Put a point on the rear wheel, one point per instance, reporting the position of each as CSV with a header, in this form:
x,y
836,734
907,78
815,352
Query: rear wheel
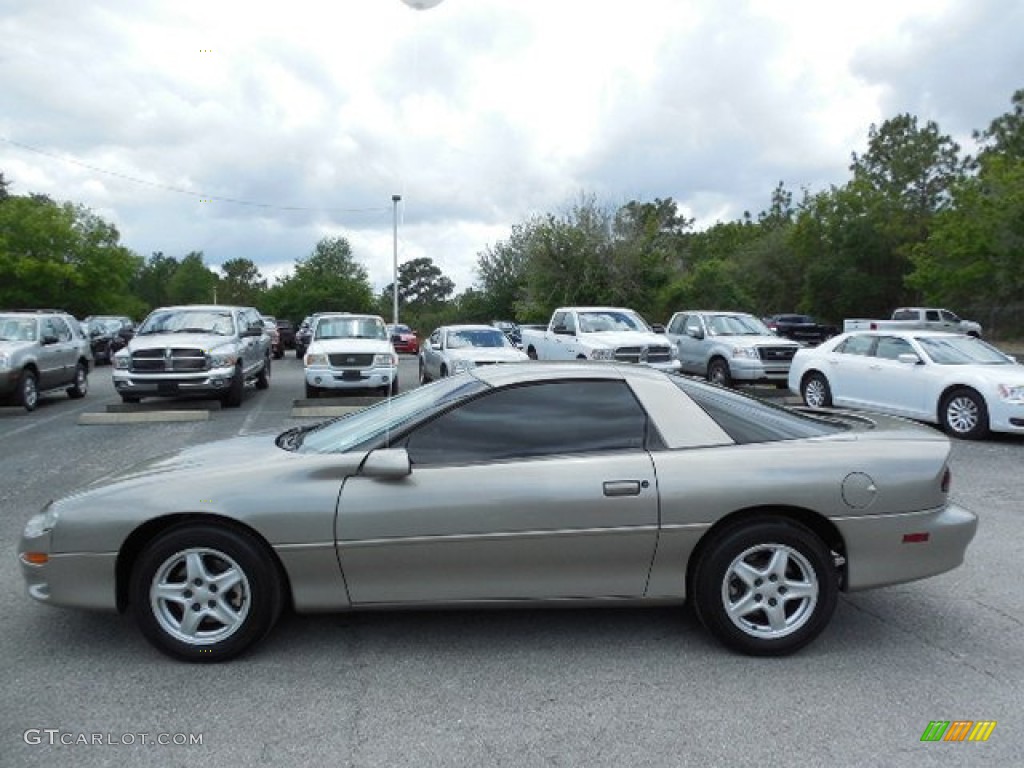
x,y
531,353
767,588
816,391
205,594
28,390
80,387
424,378
312,392
963,414
718,373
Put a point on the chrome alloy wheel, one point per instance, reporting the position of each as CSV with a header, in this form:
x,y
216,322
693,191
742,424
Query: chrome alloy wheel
x,y
200,596
770,591
815,393
962,414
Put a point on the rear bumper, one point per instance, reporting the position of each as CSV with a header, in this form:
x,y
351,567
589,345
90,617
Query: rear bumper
x,y
878,553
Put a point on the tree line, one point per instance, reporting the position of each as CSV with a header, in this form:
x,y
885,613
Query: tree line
x,y
918,221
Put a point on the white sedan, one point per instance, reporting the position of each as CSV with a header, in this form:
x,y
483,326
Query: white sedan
x,y
456,348
963,384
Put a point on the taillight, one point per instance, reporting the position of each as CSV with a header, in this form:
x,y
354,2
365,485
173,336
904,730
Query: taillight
x,y
947,479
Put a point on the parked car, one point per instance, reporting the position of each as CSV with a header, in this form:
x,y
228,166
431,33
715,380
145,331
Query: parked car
x,y
511,485
276,344
287,331
303,335
404,339
802,328
730,347
916,319
42,351
107,334
510,329
961,383
457,348
211,350
349,352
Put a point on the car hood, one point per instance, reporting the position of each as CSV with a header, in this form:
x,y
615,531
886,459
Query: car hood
x,y
177,340
358,346
479,354
614,339
15,346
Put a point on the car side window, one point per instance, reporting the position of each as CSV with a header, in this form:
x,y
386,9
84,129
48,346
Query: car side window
x,y
931,315
891,347
565,319
435,337
676,326
949,317
692,324
548,419
856,345
61,328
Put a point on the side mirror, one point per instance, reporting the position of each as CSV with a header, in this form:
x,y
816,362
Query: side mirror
x,y
909,358
695,333
387,463
561,330
435,345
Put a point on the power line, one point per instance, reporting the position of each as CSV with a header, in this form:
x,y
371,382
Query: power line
x,y
179,190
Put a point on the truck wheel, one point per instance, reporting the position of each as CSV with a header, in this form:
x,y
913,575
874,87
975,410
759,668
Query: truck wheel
x,y
963,414
81,384
718,373
263,380
531,353
233,397
28,390
312,393
444,370
816,391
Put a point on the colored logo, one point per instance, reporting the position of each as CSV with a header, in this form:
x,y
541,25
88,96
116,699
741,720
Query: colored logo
x,y
958,730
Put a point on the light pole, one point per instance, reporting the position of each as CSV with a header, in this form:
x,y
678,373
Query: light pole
x,y
394,315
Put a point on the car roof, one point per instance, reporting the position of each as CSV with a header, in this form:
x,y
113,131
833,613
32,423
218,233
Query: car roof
x,y
469,327
501,375
907,333
203,307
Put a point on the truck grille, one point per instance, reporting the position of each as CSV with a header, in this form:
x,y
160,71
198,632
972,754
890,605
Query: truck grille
x,y
777,354
343,360
643,354
168,359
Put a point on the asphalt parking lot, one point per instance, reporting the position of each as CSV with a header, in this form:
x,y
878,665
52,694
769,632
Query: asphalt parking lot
x,y
609,687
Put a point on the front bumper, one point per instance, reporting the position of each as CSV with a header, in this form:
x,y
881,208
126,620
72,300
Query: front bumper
x,y
877,553
1006,417
9,382
671,366
172,384
348,378
747,369
78,579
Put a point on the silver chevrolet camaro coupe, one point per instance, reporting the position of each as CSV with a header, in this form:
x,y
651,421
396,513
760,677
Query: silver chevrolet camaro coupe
x,y
535,483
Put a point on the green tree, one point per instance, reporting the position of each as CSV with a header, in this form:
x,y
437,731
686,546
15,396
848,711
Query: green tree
x,y
329,279
193,282
153,279
241,283
421,283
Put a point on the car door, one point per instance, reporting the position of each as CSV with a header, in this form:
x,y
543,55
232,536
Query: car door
x,y
893,386
691,348
848,369
538,491
432,354
56,353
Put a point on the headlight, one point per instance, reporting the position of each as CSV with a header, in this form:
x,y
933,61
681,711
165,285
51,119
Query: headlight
x,y
1011,393
750,352
122,361
458,366
602,354
223,358
39,524
316,358
385,359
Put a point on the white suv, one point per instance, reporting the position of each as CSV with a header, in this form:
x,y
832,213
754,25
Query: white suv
x,y
348,352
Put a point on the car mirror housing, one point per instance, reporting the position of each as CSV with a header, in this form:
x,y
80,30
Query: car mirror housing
x,y
909,358
387,463
695,333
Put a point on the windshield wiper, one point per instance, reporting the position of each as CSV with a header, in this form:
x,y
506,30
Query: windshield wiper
x,y
291,439
197,330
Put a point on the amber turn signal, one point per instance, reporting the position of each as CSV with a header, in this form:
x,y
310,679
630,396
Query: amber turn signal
x,y
35,558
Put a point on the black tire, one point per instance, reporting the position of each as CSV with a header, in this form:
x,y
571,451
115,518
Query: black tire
x,y
80,387
233,397
424,378
444,370
176,578
393,389
815,391
793,621
131,399
28,390
531,353
718,372
312,393
963,414
263,379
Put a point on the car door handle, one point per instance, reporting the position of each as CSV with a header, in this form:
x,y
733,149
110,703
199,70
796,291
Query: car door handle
x,y
624,487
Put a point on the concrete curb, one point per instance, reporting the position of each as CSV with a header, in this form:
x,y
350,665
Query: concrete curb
x,y
141,417
324,411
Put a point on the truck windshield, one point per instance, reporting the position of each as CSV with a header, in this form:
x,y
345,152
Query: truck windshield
x,y
350,328
737,325
188,321
611,320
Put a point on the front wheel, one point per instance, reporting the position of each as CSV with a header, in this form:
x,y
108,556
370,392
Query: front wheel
x,y
816,391
205,594
424,378
233,397
963,414
718,373
767,588
80,387
312,393
263,380
531,353
28,390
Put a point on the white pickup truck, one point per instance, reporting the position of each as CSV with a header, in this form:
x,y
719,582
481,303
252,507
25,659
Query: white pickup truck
x,y
916,319
614,334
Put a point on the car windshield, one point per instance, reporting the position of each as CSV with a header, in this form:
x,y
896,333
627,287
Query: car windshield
x,y
749,419
17,328
736,325
213,321
378,422
475,338
397,329
350,328
611,320
961,350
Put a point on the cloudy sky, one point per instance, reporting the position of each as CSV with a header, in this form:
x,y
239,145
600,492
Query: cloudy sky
x,y
254,128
